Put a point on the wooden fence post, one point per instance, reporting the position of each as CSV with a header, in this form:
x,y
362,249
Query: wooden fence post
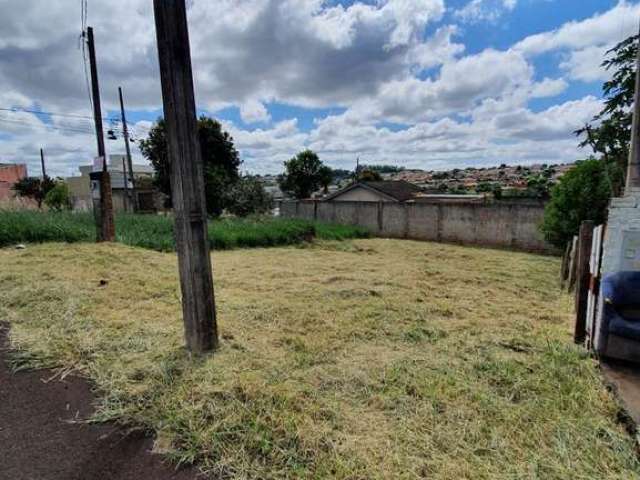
x,y
571,281
583,277
564,268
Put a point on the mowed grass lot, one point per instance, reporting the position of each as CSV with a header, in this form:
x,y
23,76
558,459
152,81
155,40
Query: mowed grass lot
x,y
365,359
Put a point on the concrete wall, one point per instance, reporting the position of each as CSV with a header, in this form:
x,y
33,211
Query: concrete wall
x,y
497,224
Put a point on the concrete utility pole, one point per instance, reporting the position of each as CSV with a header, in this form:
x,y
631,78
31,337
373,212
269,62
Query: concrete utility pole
x,y
44,170
105,226
125,133
187,179
633,167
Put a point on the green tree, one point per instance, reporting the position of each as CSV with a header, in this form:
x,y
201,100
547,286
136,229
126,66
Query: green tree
x,y
610,134
326,177
367,175
484,187
219,156
538,185
303,175
34,188
248,197
581,194
58,197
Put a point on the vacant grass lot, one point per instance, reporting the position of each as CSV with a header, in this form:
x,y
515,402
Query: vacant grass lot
x,y
365,359
156,232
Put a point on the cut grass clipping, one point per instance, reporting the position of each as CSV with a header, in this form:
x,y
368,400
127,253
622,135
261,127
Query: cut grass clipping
x,y
156,232
376,359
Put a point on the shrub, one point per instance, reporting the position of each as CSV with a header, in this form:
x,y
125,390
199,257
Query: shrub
x,y
582,193
58,197
248,197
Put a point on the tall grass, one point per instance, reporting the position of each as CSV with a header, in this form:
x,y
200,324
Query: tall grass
x,y
156,232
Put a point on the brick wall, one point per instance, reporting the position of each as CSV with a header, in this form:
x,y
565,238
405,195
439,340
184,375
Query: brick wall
x,y
10,174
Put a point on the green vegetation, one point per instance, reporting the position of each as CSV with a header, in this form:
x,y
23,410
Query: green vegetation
x,y
609,136
58,197
156,232
304,174
367,359
34,188
582,193
220,160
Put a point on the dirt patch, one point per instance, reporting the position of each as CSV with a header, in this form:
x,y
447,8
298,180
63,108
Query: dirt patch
x,y
41,436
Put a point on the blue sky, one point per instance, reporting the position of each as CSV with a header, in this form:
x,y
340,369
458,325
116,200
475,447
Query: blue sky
x,y
425,84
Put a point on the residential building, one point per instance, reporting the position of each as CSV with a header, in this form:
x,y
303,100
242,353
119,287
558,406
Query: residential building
x,y
80,190
10,173
381,191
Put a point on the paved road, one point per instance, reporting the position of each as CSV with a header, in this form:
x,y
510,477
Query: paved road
x,y
39,442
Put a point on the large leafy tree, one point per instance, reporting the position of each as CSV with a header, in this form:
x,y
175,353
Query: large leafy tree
x,y
609,134
304,174
220,158
584,192
33,188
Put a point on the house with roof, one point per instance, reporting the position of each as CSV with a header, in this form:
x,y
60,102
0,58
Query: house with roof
x,y
398,191
380,191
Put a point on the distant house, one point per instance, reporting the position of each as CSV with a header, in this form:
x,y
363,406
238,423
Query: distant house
x,y
398,191
10,173
382,191
79,186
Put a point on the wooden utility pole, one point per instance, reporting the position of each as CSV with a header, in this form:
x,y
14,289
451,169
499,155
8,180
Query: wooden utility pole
x,y
125,133
126,187
105,226
187,178
44,170
583,278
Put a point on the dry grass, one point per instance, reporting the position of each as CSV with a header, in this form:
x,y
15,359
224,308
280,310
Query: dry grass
x,y
365,359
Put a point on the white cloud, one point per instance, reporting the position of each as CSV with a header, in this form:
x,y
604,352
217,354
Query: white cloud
x,y
601,29
586,64
484,10
382,61
253,111
548,87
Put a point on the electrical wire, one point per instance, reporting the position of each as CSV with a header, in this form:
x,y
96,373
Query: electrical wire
x,y
83,42
114,122
41,112
78,129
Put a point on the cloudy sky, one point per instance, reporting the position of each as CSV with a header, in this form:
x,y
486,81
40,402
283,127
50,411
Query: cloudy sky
x,y
429,84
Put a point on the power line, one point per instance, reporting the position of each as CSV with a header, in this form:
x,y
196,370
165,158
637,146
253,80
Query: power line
x,y
40,112
44,125
116,131
111,119
84,7
78,129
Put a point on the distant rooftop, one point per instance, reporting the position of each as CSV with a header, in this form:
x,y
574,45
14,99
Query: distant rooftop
x,y
399,190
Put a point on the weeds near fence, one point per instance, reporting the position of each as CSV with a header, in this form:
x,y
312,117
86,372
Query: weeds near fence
x,y
156,232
